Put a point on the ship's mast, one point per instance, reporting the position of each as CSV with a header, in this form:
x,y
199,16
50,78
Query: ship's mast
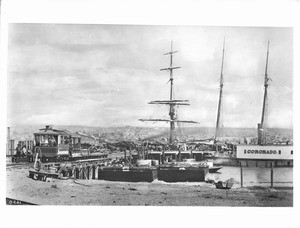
x,y
172,105
261,125
217,133
171,102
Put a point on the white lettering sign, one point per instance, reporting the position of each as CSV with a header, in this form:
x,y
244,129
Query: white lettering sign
x,y
271,152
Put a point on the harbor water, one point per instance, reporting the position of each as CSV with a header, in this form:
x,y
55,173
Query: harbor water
x,y
255,176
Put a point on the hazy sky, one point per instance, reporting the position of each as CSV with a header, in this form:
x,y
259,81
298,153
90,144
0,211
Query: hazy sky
x,y
104,75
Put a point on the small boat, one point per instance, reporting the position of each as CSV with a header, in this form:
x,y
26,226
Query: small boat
x,y
214,169
42,175
224,184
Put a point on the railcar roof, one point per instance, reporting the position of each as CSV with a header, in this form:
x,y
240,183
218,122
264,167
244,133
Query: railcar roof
x,y
51,131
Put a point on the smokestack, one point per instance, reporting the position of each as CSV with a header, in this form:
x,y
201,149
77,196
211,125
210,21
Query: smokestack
x,y
8,141
8,134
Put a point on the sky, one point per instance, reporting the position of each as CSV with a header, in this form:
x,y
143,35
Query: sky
x,y
104,75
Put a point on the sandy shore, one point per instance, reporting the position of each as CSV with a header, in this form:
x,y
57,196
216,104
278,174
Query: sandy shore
x,y
97,192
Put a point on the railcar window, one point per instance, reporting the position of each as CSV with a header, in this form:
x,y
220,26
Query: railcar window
x,y
66,140
44,140
52,141
37,140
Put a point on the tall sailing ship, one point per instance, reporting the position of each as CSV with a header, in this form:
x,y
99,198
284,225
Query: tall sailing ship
x,y
172,103
280,155
175,170
219,123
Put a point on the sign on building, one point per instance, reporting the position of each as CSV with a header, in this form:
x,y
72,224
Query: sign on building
x,y
267,152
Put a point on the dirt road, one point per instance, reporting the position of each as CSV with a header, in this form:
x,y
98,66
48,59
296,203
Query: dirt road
x,y
98,192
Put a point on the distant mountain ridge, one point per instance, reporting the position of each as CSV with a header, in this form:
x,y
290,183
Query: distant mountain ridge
x,y
25,132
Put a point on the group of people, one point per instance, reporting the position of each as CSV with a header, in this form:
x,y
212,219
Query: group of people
x,y
45,141
21,151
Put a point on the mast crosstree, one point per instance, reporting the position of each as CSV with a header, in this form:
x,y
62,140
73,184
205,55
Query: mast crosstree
x,y
171,102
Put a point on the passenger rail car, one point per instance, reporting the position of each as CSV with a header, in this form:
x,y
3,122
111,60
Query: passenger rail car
x,y
52,144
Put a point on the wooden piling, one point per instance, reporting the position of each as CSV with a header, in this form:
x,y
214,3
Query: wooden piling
x,y
241,174
179,155
70,172
93,172
98,173
84,172
163,155
271,174
147,150
81,172
88,172
77,173
73,172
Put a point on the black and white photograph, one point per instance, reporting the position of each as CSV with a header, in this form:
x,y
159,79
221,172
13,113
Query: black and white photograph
x,y
159,115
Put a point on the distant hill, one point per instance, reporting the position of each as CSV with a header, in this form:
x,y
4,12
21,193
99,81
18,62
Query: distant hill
x,y
25,132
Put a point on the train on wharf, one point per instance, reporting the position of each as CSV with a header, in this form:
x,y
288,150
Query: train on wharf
x,y
54,145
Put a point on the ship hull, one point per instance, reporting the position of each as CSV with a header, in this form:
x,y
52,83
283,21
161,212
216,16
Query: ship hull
x,y
214,169
134,174
182,174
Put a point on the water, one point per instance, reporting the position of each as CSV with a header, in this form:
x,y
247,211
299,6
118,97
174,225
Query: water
x,y
255,175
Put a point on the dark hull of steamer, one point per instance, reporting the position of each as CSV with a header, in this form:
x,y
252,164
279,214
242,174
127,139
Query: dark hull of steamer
x,y
128,174
182,174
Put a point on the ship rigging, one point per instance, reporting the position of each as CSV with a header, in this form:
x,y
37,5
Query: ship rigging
x,y
173,103
263,124
219,123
